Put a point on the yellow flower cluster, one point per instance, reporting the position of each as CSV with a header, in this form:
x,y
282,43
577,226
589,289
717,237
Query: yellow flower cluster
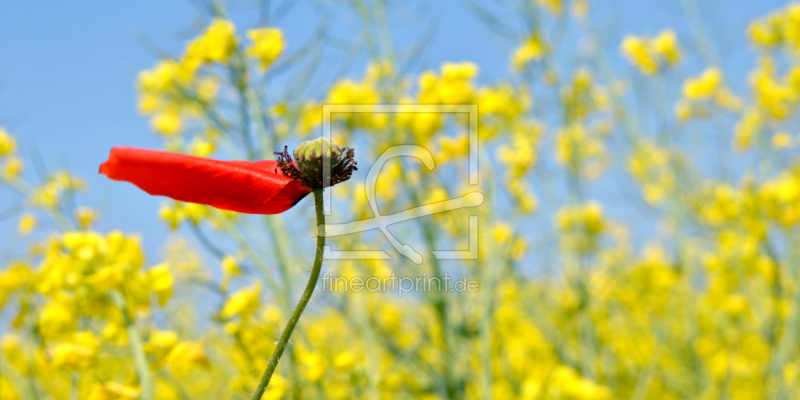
x,y
775,82
651,55
775,100
774,96
782,140
175,213
650,165
454,84
50,194
26,224
12,165
702,302
88,263
114,391
521,153
532,49
82,302
780,197
519,157
702,91
8,145
777,29
581,150
161,90
748,127
582,226
582,97
176,93
349,92
501,107
267,45
242,303
216,44
554,7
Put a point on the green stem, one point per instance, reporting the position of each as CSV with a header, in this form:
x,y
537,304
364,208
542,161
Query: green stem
x,y
139,357
276,228
137,347
301,305
74,386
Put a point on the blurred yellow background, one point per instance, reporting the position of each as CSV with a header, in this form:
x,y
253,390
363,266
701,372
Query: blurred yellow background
x,y
637,241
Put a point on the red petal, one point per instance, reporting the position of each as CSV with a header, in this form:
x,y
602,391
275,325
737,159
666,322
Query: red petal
x,y
241,186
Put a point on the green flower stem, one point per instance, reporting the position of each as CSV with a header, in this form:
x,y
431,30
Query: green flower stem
x,y
140,358
301,305
74,386
137,347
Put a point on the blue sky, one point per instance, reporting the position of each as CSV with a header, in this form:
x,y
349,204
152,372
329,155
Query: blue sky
x,y
67,71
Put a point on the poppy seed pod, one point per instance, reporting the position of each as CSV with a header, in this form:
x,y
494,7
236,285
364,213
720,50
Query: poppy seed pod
x,y
309,156
309,164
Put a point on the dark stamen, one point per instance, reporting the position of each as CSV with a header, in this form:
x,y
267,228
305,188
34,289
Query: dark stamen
x,y
340,171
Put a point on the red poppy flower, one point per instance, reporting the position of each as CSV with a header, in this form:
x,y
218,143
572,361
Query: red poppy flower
x,y
241,186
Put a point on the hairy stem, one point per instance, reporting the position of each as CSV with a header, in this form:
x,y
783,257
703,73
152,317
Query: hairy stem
x,y
301,305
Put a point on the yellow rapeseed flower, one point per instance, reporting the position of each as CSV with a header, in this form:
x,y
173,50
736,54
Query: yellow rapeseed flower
x,y
666,46
230,266
782,140
76,354
167,123
242,303
746,129
649,55
186,356
161,281
201,147
26,224
267,45
532,49
7,143
637,52
86,217
554,7
704,85
114,391
173,214
216,44
12,168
